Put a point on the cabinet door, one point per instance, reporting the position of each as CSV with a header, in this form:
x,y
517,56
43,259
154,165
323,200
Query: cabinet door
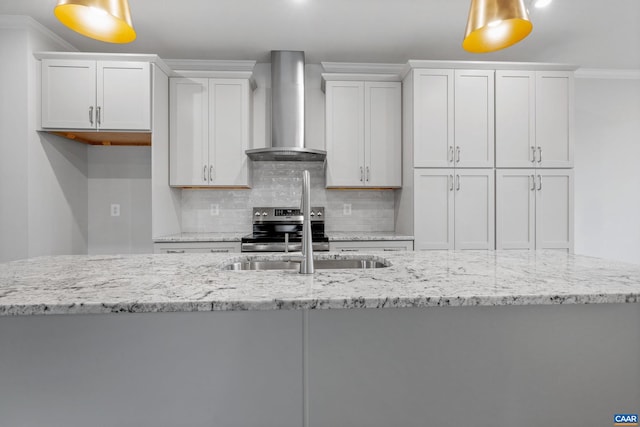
x,y
124,95
474,209
345,134
515,208
515,118
433,118
229,126
383,134
433,208
474,118
68,94
554,209
554,118
188,141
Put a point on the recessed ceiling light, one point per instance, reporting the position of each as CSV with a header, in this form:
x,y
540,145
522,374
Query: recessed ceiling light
x,y
539,4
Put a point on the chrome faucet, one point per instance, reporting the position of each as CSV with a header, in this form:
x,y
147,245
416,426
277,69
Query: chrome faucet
x,y
306,266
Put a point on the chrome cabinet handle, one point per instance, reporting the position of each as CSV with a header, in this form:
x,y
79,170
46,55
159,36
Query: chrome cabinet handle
x,y
349,250
204,173
450,182
533,183
175,251
539,154
98,115
361,174
210,173
451,154
458,154
91,115
457,182
367,173
539,182
393,249
219,251
532,158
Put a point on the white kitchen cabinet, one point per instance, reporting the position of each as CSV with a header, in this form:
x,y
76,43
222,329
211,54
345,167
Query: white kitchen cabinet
x,y
196,247
371,245
454,208
210,130
363,134
554,118
474,118
96,95
433,118
534,119
453,118
534,209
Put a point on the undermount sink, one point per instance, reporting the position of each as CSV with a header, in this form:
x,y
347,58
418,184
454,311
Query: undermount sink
x,y
319,264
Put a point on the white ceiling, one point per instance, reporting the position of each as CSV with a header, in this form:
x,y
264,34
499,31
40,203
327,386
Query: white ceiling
x,y
586,33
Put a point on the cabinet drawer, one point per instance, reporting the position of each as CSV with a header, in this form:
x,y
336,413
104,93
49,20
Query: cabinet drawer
x,y
196,247
371,245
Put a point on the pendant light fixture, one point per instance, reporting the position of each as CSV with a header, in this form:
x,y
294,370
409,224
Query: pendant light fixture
x,y
104,20
495,24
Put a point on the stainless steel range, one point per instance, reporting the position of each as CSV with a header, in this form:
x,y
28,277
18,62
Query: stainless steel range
x,y
280,230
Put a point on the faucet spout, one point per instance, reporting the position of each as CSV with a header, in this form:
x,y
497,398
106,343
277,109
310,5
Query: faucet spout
x,y
306,266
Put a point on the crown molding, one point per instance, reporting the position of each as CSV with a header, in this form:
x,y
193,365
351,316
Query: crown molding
x,y
362,68
485,65
98,56
607,73
27,22
214,65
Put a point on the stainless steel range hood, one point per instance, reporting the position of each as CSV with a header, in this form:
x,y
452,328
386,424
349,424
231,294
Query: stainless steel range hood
x,y
287,112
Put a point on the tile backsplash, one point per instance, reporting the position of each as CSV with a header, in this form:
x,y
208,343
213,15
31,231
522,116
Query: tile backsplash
x,y
279,184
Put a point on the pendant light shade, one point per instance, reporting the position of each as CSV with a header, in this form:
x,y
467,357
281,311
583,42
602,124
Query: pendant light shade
x,y
495,24
104,20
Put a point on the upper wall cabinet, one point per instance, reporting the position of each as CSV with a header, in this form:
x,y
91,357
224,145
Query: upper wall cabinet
x,y
96,95
534,119
363,134
453,118
210,129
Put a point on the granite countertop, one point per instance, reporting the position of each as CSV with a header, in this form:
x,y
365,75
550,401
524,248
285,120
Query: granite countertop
x,y
350,236
195,282
200,237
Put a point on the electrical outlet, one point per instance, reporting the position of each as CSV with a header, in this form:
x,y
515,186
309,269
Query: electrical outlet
x,y
346,209
115,209
213,209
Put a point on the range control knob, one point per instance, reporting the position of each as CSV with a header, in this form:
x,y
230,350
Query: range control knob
x,y
312,214
264,213
319,213
257,214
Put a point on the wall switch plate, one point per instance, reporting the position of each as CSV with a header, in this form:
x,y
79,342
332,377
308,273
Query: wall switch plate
x,y
213,209
346,209
115,209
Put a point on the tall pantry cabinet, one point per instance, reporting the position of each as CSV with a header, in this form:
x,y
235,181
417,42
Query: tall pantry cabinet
x,y
450,114
534,159
487,154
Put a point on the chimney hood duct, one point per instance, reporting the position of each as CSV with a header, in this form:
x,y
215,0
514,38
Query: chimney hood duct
x,y
287,112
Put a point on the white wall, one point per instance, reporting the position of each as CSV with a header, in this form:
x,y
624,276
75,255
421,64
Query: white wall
x,y
119,175
607,168
43,190
13,147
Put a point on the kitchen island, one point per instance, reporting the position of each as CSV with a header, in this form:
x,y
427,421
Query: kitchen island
x,y
437,338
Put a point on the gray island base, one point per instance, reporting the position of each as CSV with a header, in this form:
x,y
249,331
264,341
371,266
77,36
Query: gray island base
x,y
533,350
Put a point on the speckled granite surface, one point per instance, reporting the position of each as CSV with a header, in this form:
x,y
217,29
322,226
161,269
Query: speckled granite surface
x,y
195,282
200,237
349,236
